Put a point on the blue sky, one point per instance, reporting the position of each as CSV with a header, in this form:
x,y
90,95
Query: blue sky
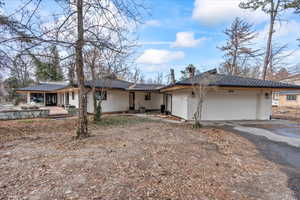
x,y
182,32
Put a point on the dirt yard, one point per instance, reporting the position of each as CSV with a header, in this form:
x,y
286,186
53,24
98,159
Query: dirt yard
x,y
131,158
289,113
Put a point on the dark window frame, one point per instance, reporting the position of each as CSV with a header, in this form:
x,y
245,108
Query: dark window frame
x,y
291,97
148,96
99,94
73,95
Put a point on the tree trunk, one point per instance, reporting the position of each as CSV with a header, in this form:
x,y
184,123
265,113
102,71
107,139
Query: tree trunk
x,y
96,118
198,113
234,65
269,43
82,129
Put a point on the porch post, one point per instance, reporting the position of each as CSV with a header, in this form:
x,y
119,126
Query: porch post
x,y
44,98
28,97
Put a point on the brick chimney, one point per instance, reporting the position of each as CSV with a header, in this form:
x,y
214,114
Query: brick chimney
x,y
172,74
191,71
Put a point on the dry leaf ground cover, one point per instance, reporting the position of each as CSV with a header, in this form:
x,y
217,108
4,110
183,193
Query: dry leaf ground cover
x,y
132,158
289,113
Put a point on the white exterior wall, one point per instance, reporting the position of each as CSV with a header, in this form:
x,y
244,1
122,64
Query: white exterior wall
x,y
28,97
58,99
74,102
180,104
222,105
153,104
117,101
265,106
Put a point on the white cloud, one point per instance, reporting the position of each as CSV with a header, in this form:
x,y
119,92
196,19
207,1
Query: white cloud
x,y
187,39
293,57
285,32
152,23
216,11
155,43
157,56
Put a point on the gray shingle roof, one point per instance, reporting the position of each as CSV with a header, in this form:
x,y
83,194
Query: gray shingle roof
x,y
109,83
145,87
290,92
234,81
104,83
44,87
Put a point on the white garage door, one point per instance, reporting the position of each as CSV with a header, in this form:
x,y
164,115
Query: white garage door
x,y
230,107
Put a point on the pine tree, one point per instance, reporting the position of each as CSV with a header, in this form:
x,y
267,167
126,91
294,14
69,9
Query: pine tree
x,y
273,8
50,69
55,68
237,50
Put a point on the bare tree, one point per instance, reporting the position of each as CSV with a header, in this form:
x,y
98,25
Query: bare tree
x,y
200,86
159,78
96,24
142,79
238,51
171,77
135,75
278,61
273,8
104,66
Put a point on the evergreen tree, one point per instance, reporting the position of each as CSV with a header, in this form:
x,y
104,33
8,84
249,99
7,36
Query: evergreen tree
x,y
186,73
237,50
50,69
55,68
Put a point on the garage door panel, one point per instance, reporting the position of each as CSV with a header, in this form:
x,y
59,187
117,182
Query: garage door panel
x,y
229,107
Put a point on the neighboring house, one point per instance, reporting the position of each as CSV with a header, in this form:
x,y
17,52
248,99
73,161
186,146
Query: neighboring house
x,y
289,98
275,99
228,97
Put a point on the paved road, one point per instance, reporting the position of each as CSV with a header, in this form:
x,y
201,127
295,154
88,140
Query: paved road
x,y
278,141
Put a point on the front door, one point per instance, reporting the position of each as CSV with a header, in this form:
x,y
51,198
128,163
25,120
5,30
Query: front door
x,y
51,99
131,101
168,103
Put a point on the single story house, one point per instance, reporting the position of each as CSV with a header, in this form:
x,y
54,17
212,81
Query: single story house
x,y
119,95
226,97
289,98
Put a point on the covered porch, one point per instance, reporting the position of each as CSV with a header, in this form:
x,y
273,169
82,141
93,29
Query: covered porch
x,y
57,98
42,98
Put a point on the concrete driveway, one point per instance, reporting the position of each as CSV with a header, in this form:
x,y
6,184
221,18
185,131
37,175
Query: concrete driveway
x,y
278,141
276,130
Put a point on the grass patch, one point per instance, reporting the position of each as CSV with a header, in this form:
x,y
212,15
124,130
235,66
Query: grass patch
x,y
27,121
121,120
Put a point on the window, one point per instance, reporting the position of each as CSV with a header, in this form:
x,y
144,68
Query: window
x,y
148,96
101,95
73,95
275,96
291,97
37,97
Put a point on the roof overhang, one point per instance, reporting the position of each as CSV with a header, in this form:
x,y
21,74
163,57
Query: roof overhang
x,y
183,87
35,91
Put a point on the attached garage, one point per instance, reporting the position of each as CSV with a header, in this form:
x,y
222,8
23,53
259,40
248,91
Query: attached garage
x,y
233,105
226,97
